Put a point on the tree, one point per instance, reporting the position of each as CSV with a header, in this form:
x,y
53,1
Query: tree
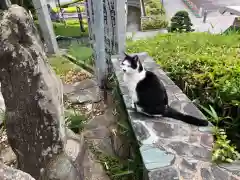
x,y
181,22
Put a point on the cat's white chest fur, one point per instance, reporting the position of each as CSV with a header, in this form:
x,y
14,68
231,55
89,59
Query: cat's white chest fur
x,y
131,81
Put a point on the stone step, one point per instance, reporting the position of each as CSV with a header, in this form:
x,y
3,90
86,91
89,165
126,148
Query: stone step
x,y
82,92
172,149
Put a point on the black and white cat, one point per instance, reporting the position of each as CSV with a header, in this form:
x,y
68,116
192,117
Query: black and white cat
x,y
148,93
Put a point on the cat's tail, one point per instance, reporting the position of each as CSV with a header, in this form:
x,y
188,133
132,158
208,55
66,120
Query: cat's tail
x,y
172,113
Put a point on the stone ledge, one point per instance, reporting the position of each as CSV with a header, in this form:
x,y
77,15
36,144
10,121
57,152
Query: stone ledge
x,y
171,149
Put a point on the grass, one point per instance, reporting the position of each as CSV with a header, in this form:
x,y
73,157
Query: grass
x,y
206,67
71,29
72,9
62,65
82,53
75,120
155,15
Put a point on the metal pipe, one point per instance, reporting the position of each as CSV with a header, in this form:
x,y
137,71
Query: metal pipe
x,y
205,16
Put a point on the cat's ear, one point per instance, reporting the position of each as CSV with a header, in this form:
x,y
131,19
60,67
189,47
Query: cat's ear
x,y
135,58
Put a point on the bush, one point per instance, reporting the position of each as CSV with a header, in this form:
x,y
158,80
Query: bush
x,y
72,9
155,16
153,23
181,22
206,67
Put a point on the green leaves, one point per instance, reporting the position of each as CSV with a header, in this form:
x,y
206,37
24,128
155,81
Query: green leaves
x,y
223,150
155,16
181,22
75,120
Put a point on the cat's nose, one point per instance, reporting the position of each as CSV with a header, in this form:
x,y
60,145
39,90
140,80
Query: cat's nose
x,y
124,70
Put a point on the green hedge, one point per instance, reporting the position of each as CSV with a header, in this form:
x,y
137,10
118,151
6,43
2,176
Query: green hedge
x,y
205,66
72,9
155,15
64,5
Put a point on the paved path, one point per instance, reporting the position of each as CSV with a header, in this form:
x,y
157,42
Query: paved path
x,y
216,23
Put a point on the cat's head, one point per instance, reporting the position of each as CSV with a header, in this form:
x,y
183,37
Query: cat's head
x,y
131,64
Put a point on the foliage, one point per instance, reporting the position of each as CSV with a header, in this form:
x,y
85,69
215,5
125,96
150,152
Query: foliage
x,y
154,23
206,67
132,167
61,65
82,53
223,150
154,7
181,22
75,120
155,15
75,22
64,5
72,9
72,30
232,30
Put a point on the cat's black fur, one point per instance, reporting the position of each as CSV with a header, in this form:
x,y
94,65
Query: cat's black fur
x,y
153,99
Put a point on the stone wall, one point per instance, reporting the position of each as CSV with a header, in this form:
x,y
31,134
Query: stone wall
x,y
172,149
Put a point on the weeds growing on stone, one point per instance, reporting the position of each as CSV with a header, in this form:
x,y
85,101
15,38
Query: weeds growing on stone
x,y
81,53
75,120
132,167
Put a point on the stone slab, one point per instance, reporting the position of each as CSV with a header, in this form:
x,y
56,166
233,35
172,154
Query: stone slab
x,y
172,149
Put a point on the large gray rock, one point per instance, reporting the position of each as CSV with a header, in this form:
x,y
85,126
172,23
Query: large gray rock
x,y
32,94
9,173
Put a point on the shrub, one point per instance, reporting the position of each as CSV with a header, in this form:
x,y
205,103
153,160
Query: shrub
x,y
155,16
154,7
153,23
181,22
206,67
72,9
